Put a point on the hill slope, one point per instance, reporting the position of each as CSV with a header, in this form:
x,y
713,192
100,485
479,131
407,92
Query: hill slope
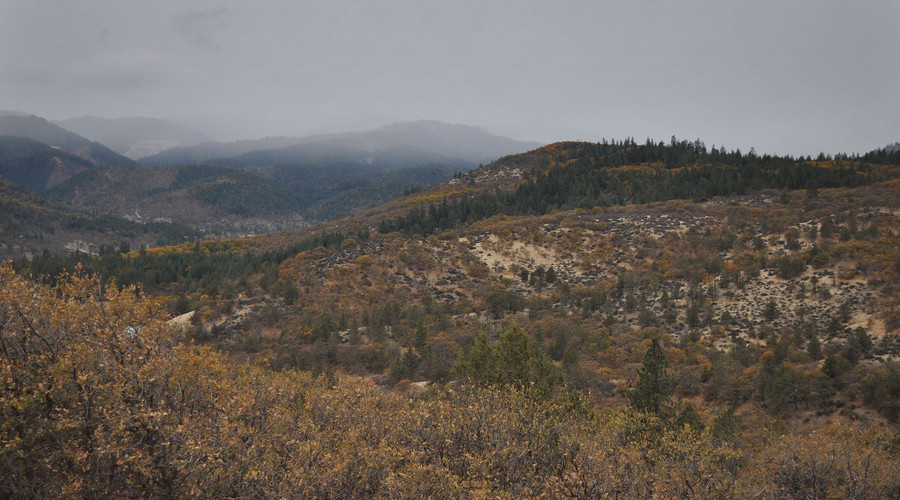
x,y
105,399
584,175
40,130
207,197
32,224
37,166
627,331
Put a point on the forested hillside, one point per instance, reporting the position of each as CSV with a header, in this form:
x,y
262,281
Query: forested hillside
x,y
582,321
32,225
37,166
40,130
566,176
231,201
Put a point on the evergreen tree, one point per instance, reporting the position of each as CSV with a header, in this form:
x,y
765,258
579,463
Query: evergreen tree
x,y
182,305
653,391
515,359
689,416
421,336
727,425
770,313
480,364
814,348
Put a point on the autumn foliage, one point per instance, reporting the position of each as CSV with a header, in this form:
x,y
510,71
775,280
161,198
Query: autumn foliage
x,y
101,399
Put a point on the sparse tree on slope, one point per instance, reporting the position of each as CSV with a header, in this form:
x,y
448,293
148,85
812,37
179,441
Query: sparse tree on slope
x,y
653,391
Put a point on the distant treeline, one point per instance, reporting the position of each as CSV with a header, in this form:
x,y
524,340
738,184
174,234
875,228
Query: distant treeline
x,y
585,175
25,212
199,267
889,155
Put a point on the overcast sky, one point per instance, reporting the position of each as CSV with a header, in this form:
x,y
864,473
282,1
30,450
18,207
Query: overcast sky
x,y
784,76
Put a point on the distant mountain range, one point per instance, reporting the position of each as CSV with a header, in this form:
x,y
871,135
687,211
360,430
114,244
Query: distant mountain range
x,y
134,137
240,187
398,145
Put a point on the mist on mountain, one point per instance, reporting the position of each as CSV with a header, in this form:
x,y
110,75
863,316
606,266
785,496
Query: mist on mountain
x,y
134,137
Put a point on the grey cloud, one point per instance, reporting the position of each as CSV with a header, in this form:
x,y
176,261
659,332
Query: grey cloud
x,y
786,77
195,26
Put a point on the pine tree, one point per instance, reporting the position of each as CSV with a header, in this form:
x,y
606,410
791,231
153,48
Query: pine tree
x,y
182,305
653,391
421,336
814,348
480,364
515,359
770,313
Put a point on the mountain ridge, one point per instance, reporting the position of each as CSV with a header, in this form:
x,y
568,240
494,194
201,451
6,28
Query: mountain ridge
x,y
327,176
450,141
41,130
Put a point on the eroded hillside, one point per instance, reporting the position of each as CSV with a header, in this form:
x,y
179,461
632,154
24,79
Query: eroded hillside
x,y
812,277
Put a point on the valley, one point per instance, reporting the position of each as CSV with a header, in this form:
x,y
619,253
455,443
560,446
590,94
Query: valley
x,y
231,189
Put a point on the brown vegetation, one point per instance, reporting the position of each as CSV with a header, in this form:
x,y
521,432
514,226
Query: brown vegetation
x,y
101,401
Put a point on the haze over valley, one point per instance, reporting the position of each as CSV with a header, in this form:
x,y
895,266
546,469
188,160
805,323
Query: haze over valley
x,y
235,188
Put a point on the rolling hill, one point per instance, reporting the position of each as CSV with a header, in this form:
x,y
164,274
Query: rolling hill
x,y
212,198
32,224
37,166
40,130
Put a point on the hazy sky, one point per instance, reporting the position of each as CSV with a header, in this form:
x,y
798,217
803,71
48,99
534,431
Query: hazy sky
x,y
784,76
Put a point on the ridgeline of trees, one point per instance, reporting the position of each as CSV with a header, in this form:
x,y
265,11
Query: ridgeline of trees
x,y
585,175
889,155
200,266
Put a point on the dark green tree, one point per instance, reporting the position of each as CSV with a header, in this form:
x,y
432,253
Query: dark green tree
x,y
405,366
726,427
689,416
182,305
653,391
515,359
814,348
480,364
420,338
291,294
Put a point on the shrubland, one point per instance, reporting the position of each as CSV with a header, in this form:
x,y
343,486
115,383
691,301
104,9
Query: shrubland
x,y
103,399
743,344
